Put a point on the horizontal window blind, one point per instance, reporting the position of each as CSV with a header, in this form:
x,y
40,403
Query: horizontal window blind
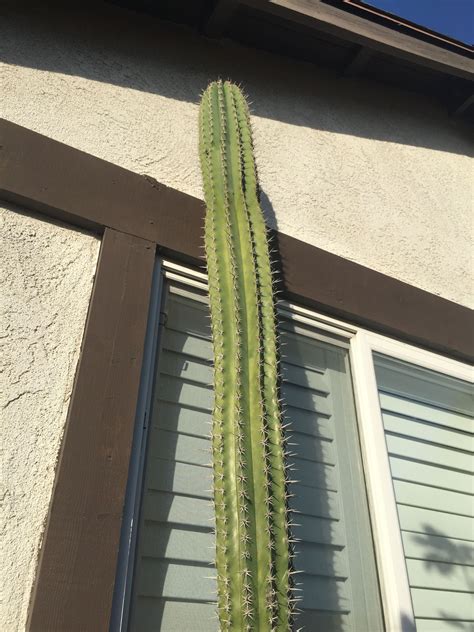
x,y
429,425
174,586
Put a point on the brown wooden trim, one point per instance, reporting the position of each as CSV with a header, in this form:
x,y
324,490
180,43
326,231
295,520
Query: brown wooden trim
x,y
78,188
359,30
55,179
76,575
366,297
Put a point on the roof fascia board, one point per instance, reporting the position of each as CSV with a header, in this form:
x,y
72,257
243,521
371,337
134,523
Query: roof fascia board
x,y
337,22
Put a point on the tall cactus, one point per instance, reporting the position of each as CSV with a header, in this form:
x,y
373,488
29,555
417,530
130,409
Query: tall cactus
x,y
252,533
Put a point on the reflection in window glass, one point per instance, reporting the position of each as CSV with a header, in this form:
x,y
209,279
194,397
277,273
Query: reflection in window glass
x,y
429,425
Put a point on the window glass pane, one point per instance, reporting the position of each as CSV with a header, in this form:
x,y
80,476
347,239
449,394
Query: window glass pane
x,y
174,586
429,424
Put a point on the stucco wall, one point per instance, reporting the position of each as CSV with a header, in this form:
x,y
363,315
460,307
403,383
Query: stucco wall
x,y
375,175
46,279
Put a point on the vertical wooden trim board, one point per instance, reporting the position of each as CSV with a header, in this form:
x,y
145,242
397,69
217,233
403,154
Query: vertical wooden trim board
x,y
76,573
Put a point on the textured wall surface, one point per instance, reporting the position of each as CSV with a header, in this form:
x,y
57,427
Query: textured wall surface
x,y
375,175
46,279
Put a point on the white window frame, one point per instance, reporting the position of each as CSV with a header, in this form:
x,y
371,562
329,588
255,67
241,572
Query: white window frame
x,y
396,597
390,559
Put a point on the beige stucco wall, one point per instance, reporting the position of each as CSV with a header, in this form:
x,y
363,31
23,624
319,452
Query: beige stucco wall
x,y
46,279
375,175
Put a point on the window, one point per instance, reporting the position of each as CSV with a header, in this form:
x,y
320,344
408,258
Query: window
x,y
169,558
427,420
417,423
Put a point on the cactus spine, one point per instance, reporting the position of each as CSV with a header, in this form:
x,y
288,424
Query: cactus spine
x,y
250,498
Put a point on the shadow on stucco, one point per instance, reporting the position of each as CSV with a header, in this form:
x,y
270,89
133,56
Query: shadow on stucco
x,y
111,45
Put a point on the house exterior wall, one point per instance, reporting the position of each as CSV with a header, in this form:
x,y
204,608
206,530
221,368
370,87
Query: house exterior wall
x,y
372,174
47,275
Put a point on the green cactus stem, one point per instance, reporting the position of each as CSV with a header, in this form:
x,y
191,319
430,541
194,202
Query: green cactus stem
x,y
253,552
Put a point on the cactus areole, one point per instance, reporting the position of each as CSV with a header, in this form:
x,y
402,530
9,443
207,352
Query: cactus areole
x,y
252,532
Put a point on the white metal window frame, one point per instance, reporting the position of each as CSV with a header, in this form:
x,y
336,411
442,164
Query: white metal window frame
x,y
390,559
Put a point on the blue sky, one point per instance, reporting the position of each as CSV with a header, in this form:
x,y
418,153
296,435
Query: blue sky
x,y
450,17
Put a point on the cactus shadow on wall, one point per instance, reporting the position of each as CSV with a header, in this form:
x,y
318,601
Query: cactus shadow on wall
x,y
311,562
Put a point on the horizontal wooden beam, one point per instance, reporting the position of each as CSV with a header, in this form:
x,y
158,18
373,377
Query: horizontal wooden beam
x,y
75,187
44,175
